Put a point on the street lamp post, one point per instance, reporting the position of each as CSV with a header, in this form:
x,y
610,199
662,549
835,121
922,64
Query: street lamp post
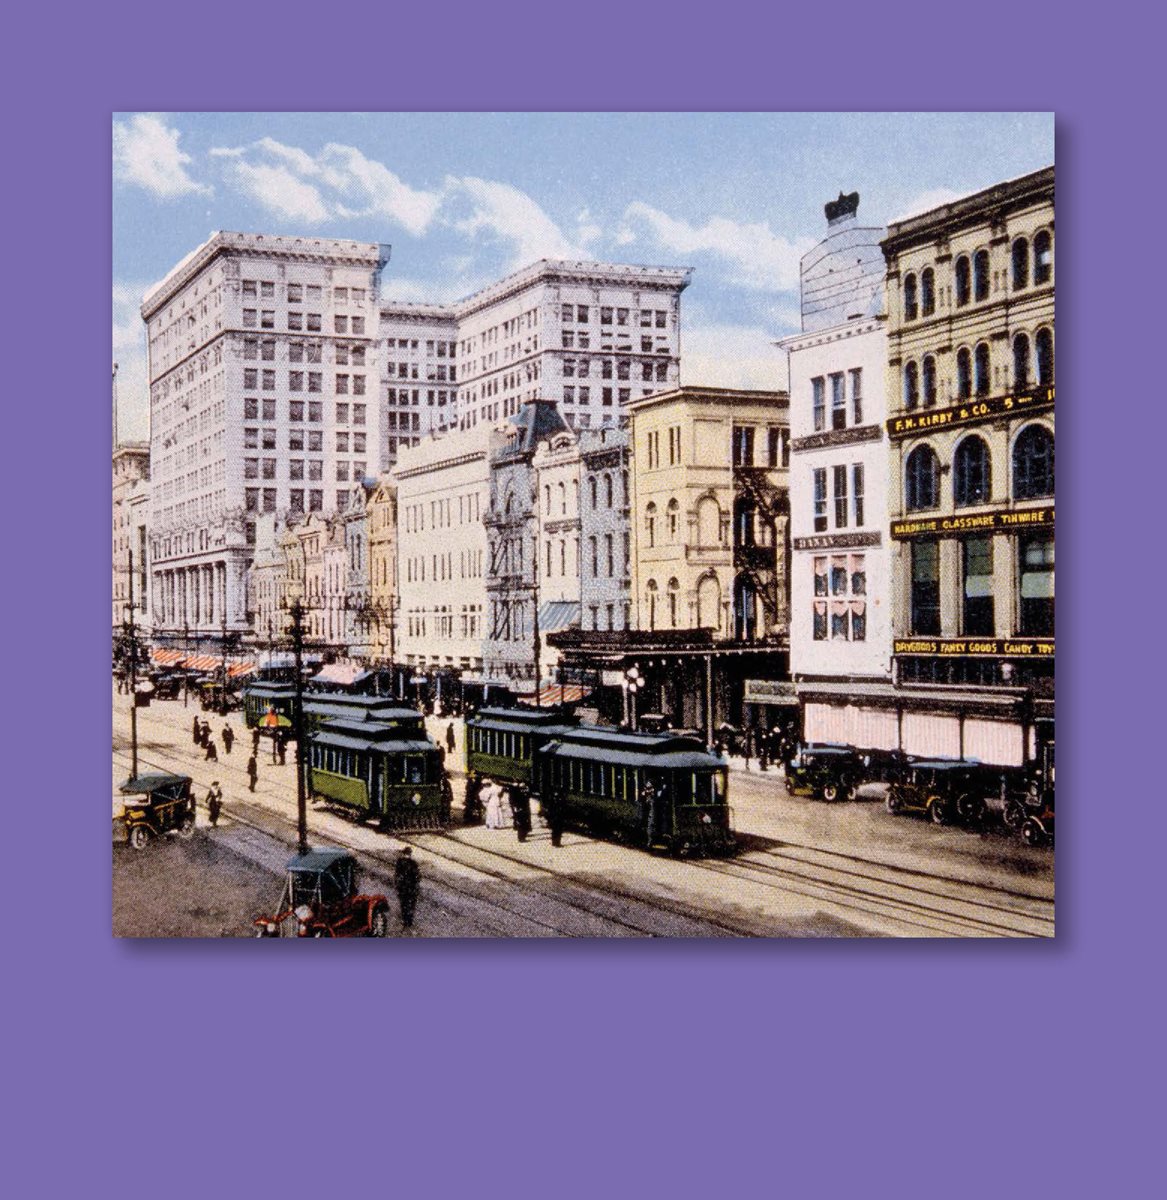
x,y
133,678
297,614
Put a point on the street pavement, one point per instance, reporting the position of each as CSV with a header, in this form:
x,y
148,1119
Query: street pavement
x,y
807,868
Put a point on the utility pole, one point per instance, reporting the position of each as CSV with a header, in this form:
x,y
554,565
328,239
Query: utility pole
x,y
185,672
297,613
133,679
535,607
223,661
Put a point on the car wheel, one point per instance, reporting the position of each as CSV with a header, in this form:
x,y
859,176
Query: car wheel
x,y
1032,833
895,802
379,925
970,809
789,786
187,828
830,792
938,807
139,836
1014,815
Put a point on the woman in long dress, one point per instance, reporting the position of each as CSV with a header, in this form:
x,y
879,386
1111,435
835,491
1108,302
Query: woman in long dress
x,y
491,797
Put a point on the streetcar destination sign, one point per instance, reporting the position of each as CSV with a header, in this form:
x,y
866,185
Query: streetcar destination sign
x,y
969,412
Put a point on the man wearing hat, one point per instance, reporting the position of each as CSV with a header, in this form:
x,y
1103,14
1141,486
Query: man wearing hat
x,y
214,803
406,881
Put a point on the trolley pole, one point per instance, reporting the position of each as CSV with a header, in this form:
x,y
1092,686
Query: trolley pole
x,y
298,719
535,608
133,638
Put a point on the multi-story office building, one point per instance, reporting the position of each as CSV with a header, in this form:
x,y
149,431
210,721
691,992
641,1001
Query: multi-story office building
x,y
605,577
131,500
264,391
840,621
590,336
442,494
381,514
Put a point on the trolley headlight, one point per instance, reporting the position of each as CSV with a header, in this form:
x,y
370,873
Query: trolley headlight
x,y
303,914
270,927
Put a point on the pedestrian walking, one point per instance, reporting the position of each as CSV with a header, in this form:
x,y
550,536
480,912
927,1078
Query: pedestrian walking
x,y
649,805
407,883
214,803
196,732
521,807
212,754
491,797
252,772
451,740
255,740
554,810
275,748
282,744
205,734
763,750
228,738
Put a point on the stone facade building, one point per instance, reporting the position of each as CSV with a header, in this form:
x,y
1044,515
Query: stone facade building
x,y
263,381
131,500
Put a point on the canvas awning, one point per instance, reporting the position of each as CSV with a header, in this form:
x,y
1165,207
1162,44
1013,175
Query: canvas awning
x,y
345,674
558,614
567,693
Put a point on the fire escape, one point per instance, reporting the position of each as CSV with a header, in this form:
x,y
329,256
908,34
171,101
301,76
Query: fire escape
x,y
761,514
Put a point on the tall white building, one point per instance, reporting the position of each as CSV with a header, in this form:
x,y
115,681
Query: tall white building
x,y
841,599
264,389
589,336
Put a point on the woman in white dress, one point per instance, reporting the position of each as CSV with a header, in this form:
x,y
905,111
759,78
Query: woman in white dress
x,y
491,797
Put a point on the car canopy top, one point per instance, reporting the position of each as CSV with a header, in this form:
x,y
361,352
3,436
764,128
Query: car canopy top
x,y
157,787
325,875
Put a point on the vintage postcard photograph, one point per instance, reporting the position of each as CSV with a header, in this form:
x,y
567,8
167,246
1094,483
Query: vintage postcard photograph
x,y
583,524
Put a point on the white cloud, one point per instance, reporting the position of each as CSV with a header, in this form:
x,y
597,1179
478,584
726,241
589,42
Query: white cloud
x,y
146,153
735,356
339,183
505,212
756,256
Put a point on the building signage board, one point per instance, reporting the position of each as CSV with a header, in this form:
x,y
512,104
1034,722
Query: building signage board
x,y
770,691
837,541
970,412
998,647
1002,521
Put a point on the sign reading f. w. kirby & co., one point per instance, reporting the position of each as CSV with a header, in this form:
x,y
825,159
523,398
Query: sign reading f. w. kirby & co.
x,y
969,412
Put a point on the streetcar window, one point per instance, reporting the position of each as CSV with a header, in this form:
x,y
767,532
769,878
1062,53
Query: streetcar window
x,y
414,768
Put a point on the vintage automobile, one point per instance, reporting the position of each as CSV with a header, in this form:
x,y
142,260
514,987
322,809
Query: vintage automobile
x,y
945,790
825,772
320,900
153,805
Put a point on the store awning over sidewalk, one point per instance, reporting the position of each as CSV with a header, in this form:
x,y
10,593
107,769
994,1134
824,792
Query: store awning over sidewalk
x,y
345,674
567,693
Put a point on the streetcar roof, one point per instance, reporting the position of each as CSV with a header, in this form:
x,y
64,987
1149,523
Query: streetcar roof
x,y
825,750
370,727
329,737
944,764
602,736
685,760
519,717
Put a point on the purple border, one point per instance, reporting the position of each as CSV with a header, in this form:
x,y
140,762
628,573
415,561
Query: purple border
x,y
729,1069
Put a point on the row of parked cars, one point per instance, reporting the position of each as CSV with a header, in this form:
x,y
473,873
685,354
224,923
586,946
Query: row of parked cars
x,y
946,791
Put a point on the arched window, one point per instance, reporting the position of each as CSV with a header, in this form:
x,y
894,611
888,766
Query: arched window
x,y
1044,343
963,281
922,479
650,523
674,589
927,292
708,522
1043,257
563,499
972,482
592,489
673,512
1033,463
1020,362
981,275
911,386
593,548
547,499
608,490
745,609
1020,264
650,601
981,374
910,309
963,374
929,374
709,602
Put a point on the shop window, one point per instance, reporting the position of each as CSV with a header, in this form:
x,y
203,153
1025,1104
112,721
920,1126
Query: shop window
x,y
1036,560
977,570
926,588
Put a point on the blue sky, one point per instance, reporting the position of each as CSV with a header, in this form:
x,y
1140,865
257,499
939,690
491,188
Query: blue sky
x,y
464,198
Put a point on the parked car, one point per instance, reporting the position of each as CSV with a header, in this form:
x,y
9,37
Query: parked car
x,y
825,772
945,790
154,805
320,900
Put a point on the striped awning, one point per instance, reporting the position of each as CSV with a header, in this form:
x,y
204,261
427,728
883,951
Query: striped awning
x,y
239,669
567,693
202,662
340,673
167,658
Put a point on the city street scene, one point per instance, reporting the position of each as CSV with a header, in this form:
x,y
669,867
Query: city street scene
x,y
590,525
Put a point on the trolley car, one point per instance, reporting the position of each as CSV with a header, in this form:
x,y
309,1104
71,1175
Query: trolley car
x,y
268,698
659,791
389,773
500,745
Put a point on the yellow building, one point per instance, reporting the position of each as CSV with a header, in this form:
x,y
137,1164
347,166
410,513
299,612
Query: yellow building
x,y
710,511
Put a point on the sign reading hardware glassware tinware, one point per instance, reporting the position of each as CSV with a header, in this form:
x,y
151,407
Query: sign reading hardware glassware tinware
x,y
970,412
1001,521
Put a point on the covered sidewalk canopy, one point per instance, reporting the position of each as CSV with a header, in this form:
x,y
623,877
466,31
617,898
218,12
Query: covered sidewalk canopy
x,y
566,693
344,674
